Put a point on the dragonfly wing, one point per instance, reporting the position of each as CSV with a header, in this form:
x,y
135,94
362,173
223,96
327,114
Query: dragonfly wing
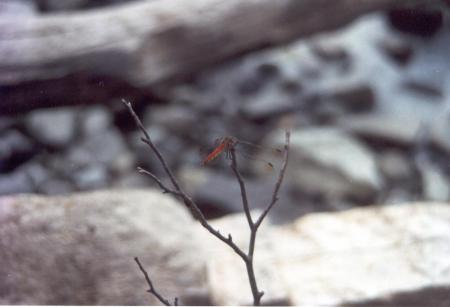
x,y
272,150
267,164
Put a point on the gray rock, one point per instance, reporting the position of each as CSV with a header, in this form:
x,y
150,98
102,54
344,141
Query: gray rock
x,y
167,143
290,86
268,70
397,49
185,95
435,184
89,163
17,7
15,183
408,106
440,131
105,147
268,103
52,127
423,89
90,178
123,163
398,196
14,146
58,6
132,180
340,259
328,162
74,159
394,166
354,97
218,193
27,178
250,85
66,166
36,173
176,118
95,120
430,66
379,127
327,113
329,52
55,186
79,249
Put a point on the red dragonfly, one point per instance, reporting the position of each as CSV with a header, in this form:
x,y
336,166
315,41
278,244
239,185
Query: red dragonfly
x,y
224,144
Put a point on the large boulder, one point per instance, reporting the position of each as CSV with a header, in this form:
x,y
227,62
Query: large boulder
x,y
79,249
374,256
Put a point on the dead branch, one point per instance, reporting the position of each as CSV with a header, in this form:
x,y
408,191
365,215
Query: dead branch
x,y
178,191
257,295
278,183
151,288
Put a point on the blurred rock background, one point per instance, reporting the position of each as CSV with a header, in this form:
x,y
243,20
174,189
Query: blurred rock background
x,y
368,102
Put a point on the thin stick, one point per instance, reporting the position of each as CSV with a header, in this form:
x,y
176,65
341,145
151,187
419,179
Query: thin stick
x,y
257,295
158,181
177,188
152,289
148,141
279,181
242,187
249,259
177,191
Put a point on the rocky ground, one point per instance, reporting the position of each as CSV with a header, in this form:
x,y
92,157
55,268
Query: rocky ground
x,y
369,108
79,249
368,104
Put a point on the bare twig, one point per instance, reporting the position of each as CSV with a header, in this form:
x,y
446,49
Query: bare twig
x,y
151,288
158,181
148,141
257,295
178,191
279,181
242,186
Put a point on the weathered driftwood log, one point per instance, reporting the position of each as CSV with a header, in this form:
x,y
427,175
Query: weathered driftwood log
x,y
147,42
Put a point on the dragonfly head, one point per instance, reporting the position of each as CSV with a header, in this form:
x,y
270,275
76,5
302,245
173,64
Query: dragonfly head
x,y
230,141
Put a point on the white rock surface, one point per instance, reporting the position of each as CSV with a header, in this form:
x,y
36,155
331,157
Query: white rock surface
x,y
227,275
79,249
375,253
364,254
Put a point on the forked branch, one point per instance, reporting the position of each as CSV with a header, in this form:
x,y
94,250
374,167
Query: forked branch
x,y
228,240
257,295
151,288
